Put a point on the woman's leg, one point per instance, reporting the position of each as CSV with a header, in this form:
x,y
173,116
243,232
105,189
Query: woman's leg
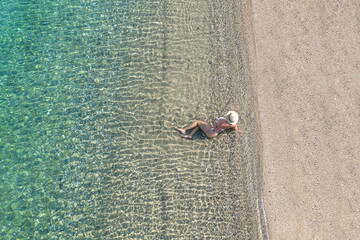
x,y
192,133
192,125
208,130
196,125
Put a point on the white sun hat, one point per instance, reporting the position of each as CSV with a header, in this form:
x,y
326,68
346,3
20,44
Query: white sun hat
x,y
232,117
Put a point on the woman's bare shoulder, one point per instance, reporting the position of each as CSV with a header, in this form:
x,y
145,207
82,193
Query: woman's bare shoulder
x,y
222,121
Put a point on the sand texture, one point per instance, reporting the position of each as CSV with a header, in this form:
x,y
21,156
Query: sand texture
x,y
308,86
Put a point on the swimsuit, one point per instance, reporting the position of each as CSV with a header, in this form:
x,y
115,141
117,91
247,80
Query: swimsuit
x,y
212,129
222,130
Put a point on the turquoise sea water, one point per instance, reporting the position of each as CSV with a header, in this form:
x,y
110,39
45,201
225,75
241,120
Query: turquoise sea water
x,y
90,93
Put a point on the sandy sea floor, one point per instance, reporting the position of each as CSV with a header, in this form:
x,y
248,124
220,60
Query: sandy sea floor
x,y
90,94
307,80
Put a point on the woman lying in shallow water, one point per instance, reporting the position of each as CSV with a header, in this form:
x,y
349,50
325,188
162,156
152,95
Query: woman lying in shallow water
x,y
222,124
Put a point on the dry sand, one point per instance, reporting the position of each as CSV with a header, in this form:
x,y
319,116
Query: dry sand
x,y
308,85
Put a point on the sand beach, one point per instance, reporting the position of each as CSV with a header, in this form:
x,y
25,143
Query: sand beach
x,y
307,70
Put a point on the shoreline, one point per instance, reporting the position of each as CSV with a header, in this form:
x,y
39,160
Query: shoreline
x,y
248,46
305,70
233,67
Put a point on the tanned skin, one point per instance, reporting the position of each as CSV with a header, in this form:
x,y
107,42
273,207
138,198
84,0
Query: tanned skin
x,y
210,132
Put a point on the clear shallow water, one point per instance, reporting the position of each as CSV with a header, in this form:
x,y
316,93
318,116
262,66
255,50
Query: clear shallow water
x,y
90,93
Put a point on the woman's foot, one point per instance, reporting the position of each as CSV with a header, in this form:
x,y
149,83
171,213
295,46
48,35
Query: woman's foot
x,y
187,137
182,131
